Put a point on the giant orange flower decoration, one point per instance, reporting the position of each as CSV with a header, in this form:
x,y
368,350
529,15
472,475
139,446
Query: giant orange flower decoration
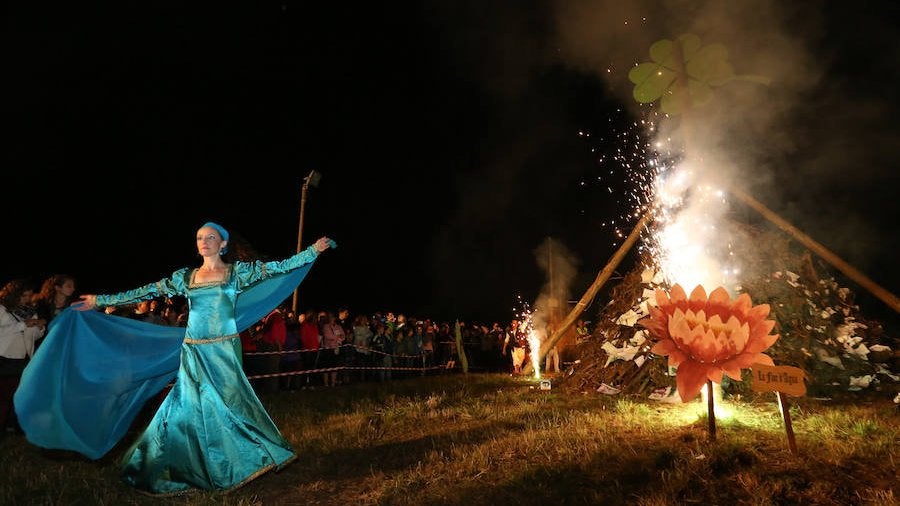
x,y
706,337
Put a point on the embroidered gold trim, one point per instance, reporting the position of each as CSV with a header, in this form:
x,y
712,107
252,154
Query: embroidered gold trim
x,y
190,491
262,471
188,340
225,278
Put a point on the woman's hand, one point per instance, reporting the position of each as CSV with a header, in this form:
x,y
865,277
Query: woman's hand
x,y
86,303
324,243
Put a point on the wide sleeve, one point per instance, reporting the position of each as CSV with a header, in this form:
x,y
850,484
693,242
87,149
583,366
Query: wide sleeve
x,y
165,287
250,273
91,377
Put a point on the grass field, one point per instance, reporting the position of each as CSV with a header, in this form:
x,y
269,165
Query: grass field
x,y
496,440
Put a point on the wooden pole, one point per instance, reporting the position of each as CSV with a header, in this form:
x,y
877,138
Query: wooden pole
x,y
887,297
785,409
602,277
303,193
711,410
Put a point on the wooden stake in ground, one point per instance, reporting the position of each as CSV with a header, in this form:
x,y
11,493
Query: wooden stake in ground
x,y
460,351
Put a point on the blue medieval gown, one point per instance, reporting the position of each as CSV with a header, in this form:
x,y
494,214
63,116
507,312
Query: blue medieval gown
x,y
94,372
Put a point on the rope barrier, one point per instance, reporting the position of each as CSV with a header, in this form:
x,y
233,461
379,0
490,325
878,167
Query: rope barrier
x,y
344,368
319,350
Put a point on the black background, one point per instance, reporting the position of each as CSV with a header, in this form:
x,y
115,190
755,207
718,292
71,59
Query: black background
x,y
446,135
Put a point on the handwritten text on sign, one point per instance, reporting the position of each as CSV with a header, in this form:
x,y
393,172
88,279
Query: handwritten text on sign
x,y
779,378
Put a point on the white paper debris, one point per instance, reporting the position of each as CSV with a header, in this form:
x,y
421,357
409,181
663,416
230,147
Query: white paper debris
x,y
644,308
824,357
667,394
827,312
623,353
792,279
629,318
639,337
607,389
860,382
884,370
862,351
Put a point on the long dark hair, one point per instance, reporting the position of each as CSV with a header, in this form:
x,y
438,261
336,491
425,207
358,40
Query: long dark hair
x,y
240,249
48,289
11,293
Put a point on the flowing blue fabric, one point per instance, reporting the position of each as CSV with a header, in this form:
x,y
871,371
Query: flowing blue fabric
x,y
91,376
94,373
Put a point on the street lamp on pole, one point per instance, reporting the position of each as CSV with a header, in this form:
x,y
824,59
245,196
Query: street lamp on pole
x,y
311,180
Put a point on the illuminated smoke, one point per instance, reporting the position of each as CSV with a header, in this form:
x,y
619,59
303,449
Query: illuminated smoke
x,y
683,165
560,268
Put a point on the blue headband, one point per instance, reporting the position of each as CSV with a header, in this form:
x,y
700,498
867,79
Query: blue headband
x,y
219,228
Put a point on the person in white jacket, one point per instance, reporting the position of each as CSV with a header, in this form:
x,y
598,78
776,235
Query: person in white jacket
x,y
20,327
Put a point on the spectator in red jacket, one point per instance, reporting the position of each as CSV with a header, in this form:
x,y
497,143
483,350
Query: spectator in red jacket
x,y
273,331
309,342
272,336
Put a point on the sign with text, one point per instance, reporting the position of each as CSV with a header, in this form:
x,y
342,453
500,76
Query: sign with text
x,y
778,378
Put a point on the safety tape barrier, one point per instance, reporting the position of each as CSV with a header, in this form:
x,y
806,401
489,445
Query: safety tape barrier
x,y
345,368
319,350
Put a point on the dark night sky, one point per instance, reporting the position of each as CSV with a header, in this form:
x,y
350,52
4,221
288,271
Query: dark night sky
x,y
446,134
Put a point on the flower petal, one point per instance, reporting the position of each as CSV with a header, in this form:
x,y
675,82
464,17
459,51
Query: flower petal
x,y
714,374
689,379
759,312
760,344
698,294
742,360
655,326
740,336
719,296
704,345
732,372
661,298
663,347
676,294
676,357
762,358
742,304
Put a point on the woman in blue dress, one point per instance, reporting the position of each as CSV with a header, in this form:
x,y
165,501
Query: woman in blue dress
x,y
211,431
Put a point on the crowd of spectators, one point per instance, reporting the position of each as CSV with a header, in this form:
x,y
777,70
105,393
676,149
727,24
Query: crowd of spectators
x,y
329,348
326,348
311,348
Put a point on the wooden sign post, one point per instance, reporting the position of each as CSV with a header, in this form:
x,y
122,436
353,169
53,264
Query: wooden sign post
x,y
785,409
781,380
